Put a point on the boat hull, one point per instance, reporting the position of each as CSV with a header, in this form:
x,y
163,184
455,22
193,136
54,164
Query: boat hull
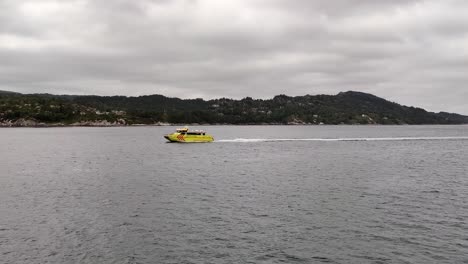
x,y
180,138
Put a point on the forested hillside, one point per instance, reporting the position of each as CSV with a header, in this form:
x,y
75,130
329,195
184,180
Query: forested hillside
x,y
344,108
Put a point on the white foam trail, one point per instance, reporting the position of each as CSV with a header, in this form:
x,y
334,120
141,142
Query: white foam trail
x,y
249,140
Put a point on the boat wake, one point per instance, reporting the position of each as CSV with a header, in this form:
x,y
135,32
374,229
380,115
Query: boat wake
x,y
250,140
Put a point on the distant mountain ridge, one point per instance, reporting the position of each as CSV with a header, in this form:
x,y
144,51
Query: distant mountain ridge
x,y
344,108
7,92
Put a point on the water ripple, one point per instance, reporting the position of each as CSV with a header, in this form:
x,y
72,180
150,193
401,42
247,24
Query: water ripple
x,y
118,195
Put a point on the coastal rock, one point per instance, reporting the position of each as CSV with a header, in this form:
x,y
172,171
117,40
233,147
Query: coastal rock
x,y
21,123
100,123
295,121
162,124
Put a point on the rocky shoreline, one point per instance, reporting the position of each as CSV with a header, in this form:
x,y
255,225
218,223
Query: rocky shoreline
x,y
119,123
122,123
33,123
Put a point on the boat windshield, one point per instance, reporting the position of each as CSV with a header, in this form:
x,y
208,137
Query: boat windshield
x,y
185,131
194,133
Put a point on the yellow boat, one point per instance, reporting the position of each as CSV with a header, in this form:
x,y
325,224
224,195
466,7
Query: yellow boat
x,y
185,136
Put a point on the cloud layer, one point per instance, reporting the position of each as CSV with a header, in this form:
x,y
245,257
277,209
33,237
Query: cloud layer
x,y
408,51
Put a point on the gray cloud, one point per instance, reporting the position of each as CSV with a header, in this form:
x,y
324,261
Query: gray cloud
x,y
409,51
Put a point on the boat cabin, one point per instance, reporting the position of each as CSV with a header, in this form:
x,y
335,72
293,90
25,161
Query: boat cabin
x,y
184,131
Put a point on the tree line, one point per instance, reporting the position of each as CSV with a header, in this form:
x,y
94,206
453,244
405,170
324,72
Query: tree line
x,y
344,108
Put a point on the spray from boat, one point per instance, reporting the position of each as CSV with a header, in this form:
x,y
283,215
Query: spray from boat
x,y
253,140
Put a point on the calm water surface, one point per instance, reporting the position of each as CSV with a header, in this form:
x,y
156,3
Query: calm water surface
x,y
327,194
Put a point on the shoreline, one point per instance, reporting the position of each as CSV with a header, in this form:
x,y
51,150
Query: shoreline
x,y
42,125
122,123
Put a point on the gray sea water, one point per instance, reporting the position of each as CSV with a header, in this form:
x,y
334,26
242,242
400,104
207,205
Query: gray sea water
x,y
259,194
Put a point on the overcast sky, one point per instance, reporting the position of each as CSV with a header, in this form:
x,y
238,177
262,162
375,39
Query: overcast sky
x,y
408,51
